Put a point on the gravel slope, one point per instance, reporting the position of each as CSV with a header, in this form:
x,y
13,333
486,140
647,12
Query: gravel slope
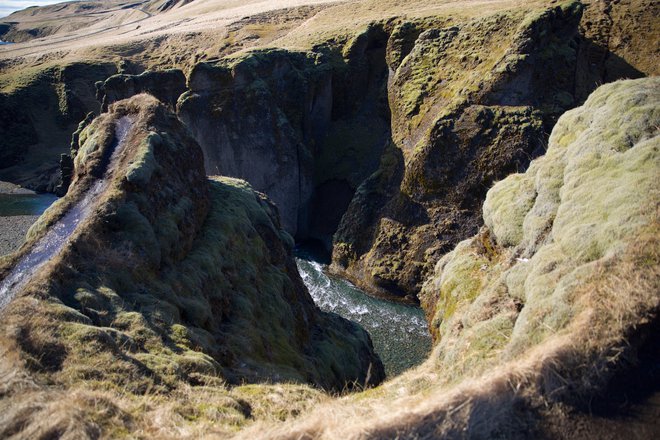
x,y
13,230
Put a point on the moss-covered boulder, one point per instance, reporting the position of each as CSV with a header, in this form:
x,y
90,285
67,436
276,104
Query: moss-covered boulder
x,y
169,281
568,248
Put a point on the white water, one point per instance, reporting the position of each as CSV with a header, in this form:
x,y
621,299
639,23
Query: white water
x,y
58,234
399,332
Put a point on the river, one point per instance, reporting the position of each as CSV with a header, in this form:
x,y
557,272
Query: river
x,y
399,332
25,204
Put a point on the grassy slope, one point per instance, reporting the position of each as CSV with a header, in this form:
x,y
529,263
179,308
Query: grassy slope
x,y
286,24
533,316
144,312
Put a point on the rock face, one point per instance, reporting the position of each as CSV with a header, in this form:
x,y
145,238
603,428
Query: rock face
x,y
545,322
615,36
39,113
470,103
305,128
165,85
172,280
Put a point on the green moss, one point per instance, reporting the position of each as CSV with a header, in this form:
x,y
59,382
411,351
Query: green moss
x,y
575,209
144,164
461,282
506,206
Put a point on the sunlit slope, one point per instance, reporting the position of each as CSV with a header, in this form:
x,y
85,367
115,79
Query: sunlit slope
x,y
72,28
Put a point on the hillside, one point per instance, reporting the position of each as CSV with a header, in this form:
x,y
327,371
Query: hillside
x,y
132,298
494,162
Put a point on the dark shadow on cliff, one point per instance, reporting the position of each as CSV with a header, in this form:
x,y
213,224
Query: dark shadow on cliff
x,y
596,66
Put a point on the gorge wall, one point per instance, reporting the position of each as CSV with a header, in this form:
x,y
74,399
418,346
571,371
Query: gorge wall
x,y
545,322
306,128
40,108
381,145
471,103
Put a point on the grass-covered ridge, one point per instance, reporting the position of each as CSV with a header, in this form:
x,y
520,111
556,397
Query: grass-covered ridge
x,y
173,292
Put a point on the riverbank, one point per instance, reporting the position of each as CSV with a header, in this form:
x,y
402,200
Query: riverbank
x,y
19,209
13,230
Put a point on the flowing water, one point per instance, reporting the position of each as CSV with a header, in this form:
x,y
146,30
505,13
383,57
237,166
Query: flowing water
x,y
399,332
50,244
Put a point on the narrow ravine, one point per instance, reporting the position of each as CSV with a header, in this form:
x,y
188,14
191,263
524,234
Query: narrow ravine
x,y
51,243
399,332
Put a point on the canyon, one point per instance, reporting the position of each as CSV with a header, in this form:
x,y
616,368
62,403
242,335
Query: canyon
x,y
455,155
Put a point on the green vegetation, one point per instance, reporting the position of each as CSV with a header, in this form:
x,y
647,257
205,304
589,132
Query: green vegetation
x,y
585,201
145,306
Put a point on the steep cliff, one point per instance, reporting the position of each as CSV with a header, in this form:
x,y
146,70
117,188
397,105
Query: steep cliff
x,y
305,128
148,281
546,321
615,42
471,102
40,108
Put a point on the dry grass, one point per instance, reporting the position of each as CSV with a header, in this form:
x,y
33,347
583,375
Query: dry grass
x,y
543,370
510,399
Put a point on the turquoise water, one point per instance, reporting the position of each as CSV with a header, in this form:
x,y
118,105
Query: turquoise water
x,y
50,244
25,204
399,332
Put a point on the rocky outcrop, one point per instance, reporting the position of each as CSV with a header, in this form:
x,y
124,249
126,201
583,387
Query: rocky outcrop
x,y
471,102
165,85
305,128
171,281
583,204
615,42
